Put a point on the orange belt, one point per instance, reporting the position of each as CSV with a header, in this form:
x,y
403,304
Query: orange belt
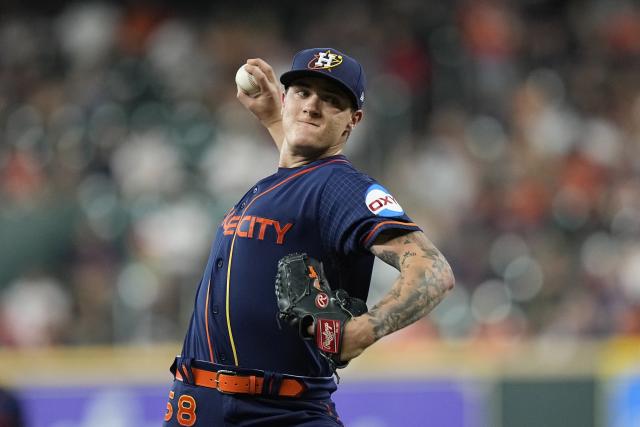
x,y
232,383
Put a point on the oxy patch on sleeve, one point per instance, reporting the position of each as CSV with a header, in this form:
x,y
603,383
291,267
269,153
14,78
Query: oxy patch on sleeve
x,y
381,203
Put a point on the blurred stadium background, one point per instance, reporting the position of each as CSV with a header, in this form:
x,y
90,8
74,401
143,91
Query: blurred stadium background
x,y
510,130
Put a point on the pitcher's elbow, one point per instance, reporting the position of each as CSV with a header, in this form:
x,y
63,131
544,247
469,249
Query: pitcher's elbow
x,y
449,280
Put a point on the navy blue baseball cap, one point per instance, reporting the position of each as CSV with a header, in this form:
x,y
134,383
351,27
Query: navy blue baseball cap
x,y
332,64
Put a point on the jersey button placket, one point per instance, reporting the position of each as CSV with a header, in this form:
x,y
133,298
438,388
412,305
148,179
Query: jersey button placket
x,y
219,263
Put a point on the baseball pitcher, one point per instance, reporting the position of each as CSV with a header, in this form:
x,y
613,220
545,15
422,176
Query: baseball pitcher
x,y
281,303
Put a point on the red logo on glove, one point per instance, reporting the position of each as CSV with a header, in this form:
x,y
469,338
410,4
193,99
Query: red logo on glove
x,y
322,300
328,335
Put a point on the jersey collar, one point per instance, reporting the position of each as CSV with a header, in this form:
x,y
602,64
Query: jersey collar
x,y
287,171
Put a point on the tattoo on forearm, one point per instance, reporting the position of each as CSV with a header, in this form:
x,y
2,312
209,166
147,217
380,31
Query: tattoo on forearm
x,y
424,280
405,256
389,257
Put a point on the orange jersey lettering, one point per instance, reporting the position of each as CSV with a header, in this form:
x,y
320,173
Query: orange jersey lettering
x,y
281,231
264,223
245,227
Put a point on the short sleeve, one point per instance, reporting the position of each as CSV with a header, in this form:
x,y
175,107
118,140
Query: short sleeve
x,y
354,209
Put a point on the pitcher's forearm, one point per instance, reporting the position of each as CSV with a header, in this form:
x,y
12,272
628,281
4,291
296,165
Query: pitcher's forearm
x,y
409,300
425,278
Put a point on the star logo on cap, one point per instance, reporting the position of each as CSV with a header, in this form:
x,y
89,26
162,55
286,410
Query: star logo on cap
x,y
325,61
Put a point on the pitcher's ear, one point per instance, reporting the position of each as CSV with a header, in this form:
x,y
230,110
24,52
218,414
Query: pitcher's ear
x,y
356,118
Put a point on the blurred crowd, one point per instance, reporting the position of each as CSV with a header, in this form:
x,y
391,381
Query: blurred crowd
x,y
509,130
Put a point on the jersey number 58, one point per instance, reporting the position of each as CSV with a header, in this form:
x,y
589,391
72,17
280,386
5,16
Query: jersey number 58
x,y
186,415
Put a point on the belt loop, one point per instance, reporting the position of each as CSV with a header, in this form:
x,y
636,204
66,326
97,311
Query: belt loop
x,y
266,383
271,384
276,382
184,366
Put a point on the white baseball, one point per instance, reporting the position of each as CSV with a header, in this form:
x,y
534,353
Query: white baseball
x,y
246,82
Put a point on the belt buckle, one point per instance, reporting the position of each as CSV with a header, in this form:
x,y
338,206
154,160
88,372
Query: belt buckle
x,y
217,380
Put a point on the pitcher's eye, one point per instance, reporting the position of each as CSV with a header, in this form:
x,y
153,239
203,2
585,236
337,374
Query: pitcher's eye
x,y
336,102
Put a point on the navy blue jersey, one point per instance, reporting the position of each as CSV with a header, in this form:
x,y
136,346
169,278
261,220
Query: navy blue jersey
x,y
327,209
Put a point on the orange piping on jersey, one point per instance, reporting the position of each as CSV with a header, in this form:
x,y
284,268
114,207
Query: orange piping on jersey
x,y
206,304
206,323
233,241
380,224
295,175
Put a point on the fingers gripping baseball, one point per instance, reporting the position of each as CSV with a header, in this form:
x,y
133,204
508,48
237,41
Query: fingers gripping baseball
x,y
259,91
265,68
